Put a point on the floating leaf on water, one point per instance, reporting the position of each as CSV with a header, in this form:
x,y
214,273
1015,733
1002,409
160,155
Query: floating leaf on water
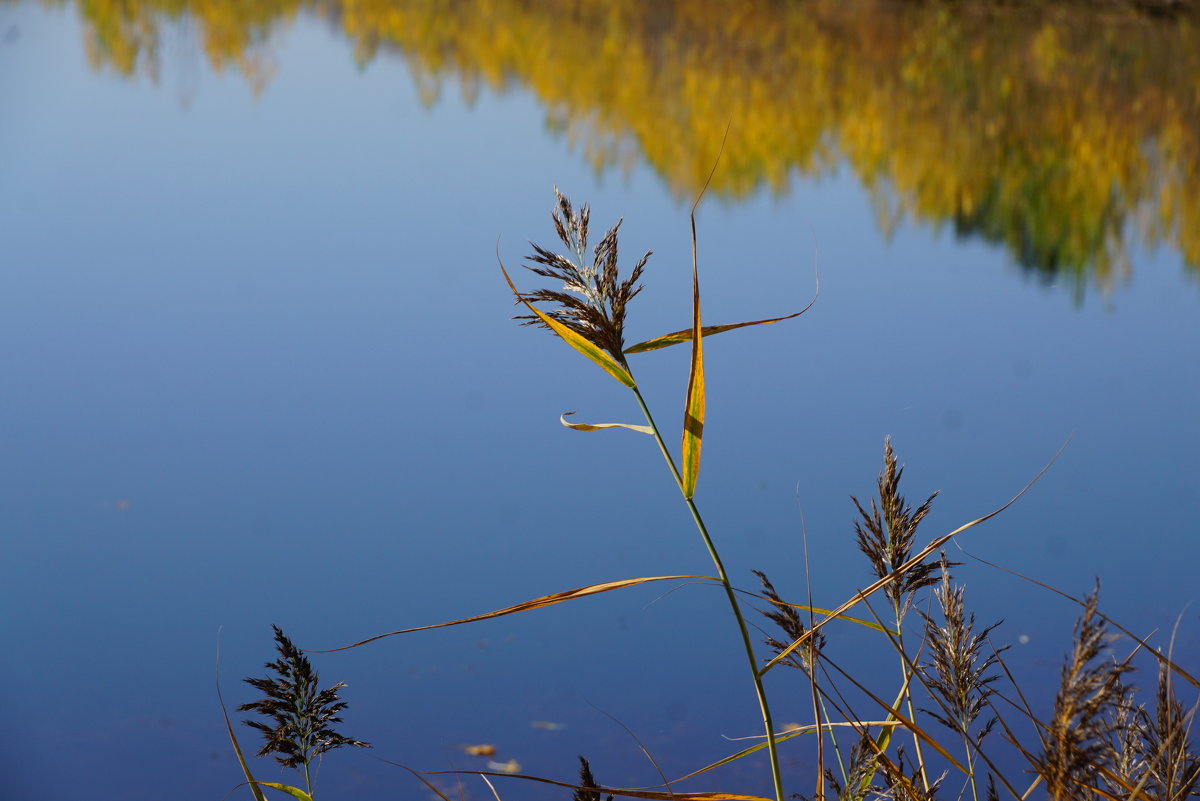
x,y
511,766
547,725
479,750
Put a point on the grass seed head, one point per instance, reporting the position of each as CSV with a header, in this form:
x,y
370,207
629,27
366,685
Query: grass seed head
x,y
300,715
592,300
886,534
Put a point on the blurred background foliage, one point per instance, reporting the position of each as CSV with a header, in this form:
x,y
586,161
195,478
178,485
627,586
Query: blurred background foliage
x,y
1063,132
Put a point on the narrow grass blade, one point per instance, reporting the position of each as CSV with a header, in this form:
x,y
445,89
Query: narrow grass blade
x,y
295,792
536,603
601,426
679,337
579,343
237,749
624,792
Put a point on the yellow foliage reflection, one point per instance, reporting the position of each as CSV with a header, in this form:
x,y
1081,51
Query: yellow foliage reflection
x,y
1057,132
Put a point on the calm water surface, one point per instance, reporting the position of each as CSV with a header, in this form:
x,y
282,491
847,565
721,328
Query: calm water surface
x,y
259,368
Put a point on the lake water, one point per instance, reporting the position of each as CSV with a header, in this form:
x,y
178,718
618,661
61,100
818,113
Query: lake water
x,y
259,367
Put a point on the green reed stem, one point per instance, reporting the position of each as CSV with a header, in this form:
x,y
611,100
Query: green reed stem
x,y
772,750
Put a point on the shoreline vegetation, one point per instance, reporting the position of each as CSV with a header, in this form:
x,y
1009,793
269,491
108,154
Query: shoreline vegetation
x,y
952,723
1066,133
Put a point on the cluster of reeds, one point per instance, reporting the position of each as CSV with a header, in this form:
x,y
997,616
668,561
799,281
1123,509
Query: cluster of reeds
x,y
952,722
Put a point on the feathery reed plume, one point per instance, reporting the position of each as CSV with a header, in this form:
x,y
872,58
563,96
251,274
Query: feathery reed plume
x,y
957,668
787,618
886,535
1173,767
592,302
586,780
302,714
1078,742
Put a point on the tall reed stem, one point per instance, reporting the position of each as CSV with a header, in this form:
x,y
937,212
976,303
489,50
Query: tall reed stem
x,y
768,726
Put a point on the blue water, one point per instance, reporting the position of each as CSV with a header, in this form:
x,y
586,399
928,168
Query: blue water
x,y
259,368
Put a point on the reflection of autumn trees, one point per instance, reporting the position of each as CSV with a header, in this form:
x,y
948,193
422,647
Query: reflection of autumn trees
x,y
1055,131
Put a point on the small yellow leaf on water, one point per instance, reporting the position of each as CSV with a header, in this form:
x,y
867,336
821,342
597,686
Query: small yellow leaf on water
x,y
790,727
479,750
511,766
547,725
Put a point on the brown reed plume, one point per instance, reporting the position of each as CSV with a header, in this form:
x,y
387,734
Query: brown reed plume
x,y
1078,744
592,301
587,781
886,535
301,714
959,665
787,618
958,671
1172,766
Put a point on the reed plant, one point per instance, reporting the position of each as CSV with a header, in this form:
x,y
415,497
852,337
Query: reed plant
x,y
966,726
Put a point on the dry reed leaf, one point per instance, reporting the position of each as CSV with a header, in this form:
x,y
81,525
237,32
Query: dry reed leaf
x,y
626,793
536,603
600,426
588,349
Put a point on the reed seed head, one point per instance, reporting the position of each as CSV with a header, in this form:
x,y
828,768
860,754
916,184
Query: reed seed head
x,y
1077,748
300,715
1172,764
959,661
592,300
787,618
886,534
586,780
